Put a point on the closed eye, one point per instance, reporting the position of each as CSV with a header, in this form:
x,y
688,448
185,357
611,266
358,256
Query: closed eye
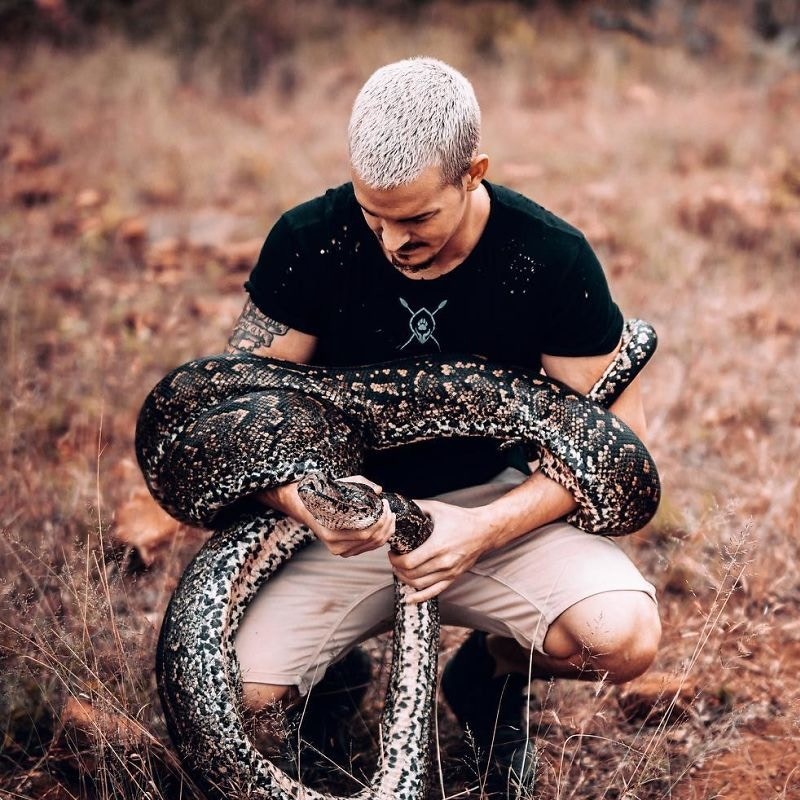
x,y
419,218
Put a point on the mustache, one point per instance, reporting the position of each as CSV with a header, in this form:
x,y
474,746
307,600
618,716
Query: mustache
x,y
408,247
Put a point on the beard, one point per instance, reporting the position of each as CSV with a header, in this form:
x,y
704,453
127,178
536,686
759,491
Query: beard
x,y
412,269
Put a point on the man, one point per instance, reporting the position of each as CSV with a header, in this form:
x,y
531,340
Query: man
x,y
420,255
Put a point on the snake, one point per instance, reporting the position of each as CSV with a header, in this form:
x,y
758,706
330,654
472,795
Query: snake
x,y
219,429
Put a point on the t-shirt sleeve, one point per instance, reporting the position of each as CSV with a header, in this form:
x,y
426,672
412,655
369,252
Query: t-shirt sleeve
x,y
286,283
581,318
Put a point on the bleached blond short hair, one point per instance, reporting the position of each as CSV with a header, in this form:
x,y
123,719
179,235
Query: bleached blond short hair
x,y
412,115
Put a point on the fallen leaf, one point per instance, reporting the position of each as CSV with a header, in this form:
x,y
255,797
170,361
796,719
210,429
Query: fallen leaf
x,y
20,152
88,199
37,187
132,231
83,716
143,525
29,150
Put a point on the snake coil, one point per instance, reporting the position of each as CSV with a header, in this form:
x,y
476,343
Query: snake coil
x,y
219,429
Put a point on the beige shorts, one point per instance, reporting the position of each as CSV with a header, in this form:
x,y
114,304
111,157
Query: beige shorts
x,y
320,605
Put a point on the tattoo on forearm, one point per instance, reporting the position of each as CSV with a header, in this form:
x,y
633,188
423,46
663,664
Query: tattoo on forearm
x,y
254,330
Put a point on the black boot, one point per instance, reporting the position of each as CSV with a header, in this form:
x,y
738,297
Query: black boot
x,y
321,722
491,709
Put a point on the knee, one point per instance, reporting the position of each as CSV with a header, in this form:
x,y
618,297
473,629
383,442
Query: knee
x,y
614,635
634,643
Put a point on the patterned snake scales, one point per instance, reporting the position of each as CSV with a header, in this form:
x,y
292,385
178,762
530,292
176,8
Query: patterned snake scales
x,y
218,429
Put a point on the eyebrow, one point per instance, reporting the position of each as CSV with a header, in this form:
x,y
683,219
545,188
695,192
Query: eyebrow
x,y
402,219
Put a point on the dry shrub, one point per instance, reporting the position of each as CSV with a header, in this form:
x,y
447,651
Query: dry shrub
x,y
79,697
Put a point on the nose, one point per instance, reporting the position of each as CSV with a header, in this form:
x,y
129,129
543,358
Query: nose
x,y
394,237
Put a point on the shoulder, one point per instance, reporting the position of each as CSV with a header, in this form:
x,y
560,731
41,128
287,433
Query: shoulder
x,y
528,236
310,232
332,209
302,260
520,215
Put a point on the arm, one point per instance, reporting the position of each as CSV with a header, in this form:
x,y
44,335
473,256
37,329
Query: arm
x,y
539,500
261,335
461,536
257,333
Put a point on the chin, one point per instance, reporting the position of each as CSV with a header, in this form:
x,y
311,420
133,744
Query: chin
x,y
419,266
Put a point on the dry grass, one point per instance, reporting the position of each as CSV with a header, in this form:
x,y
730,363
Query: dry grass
x,y
131,204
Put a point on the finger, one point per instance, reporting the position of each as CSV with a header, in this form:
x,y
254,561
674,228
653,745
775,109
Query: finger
x,y
367,535
377,488
347,549
383,535
363,547
427,594
378,533
338,544
371,538
384,526
388,517
416,562
357,551
427,580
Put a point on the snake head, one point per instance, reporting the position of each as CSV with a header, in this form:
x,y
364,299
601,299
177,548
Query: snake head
x,y
339,504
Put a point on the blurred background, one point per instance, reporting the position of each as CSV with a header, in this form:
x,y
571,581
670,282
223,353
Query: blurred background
x,y
145,150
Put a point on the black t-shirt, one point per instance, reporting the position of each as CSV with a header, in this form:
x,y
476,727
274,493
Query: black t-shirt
x,y
531,285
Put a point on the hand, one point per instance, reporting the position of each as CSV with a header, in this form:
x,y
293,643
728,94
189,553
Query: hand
x,y
345,542
460,537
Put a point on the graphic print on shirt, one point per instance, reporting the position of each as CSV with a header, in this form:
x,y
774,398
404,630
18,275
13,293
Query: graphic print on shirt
x,y
422,324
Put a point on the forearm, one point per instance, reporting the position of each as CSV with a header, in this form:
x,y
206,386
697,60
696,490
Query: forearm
x,y
535,502
540,500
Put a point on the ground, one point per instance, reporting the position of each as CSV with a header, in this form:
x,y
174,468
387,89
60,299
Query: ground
x,y
134,203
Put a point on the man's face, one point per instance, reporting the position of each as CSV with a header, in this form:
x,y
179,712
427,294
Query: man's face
x,y
413,222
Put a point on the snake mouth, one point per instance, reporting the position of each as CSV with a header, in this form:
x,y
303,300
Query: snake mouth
x,y
319,496
316,493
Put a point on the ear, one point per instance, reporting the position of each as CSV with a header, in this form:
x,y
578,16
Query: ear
x,y
477,170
